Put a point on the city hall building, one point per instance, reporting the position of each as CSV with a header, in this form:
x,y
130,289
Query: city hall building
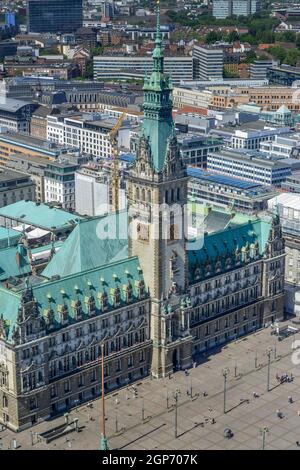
x,y
152,298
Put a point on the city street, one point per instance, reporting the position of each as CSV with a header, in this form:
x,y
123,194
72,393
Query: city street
x,y
256,417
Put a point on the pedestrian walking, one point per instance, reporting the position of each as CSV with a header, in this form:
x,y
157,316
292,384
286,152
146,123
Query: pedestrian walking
x,y
290,399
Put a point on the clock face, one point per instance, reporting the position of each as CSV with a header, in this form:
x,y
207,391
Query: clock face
x,y
143,232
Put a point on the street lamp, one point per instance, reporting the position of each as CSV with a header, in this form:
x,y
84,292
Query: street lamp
x,y
269,367
225,373
103,441
255,360
176,396
143,410
264,431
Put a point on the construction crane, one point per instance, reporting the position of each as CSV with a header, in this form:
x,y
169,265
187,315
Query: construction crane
x,y
113,137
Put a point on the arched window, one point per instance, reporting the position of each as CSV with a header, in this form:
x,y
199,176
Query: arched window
x,y
137,193
178,194
143,195
4,402
149,196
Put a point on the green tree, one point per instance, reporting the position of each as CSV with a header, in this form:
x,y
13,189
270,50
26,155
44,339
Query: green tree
x,y
212,37
249,58
278,52
288,36
89,71
97,51
292,57
233,36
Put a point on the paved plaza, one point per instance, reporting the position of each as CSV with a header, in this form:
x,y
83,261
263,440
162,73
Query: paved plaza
x,y
147,420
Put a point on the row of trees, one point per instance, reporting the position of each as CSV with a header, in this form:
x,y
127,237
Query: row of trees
x,y
260,25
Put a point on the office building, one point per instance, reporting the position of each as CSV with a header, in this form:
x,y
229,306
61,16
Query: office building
x,y
60,184
253,138
126,67
286,146
93,190
32,86
8,48
33,166
12,143
283,74
292,183
221,9
227,192
195,148
87,132
288,205
14,187
225,8
250,165
208,63
54,16
259,69
15,115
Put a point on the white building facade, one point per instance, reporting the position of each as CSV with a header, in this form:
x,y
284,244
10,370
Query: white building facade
x,y
60,184
249,166
88,133
251,139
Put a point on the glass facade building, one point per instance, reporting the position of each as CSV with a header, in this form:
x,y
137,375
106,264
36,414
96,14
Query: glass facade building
x,y
54,16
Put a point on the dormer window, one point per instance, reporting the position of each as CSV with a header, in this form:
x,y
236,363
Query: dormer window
x,y
91,306
129,292
141,288
103,301
64,314
78,310
117,296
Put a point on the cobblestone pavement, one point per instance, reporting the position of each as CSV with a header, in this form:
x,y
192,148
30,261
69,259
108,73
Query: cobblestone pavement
x,y
147,421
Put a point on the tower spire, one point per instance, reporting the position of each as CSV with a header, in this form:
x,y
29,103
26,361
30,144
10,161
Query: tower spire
x,y
158,57
158,31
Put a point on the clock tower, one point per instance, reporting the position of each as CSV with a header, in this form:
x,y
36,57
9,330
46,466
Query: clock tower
x,y
157,196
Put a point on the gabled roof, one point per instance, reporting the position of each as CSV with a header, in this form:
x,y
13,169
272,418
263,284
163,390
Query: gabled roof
x,y
78,287
39,215
224,244
9,236
93,243
9,266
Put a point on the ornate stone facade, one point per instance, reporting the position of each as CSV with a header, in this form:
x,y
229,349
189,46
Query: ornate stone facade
x,y
153,308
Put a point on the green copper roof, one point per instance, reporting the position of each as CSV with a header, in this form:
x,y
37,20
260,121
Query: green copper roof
x,y
9,237
9,304
39,215
158,124
223,244
9,266
80,287
92,243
